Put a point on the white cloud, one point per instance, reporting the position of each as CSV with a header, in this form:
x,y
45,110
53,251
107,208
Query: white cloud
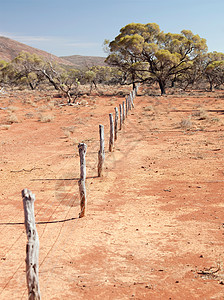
x,y
27,38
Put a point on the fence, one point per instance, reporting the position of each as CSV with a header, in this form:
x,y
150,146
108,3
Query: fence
x,y
32,249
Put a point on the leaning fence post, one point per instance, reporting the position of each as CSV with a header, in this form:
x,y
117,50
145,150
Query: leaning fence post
x,y
111,141
32,246
123,111
101,153
82,189
121,116
116,123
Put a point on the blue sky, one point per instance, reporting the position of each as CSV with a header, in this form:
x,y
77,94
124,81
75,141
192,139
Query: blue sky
x,y
72,27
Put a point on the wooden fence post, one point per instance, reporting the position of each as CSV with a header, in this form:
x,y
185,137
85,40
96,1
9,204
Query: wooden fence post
x,y
132,99
111,141
129,102
82,188
120,108
116,124
32,246
134,93
123,111
126,102
101,153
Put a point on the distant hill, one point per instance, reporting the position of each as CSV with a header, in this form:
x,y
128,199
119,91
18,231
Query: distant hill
x,y
80,61
9,49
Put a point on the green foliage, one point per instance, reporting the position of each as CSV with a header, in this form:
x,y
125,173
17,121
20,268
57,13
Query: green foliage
x,y
214,68
143,53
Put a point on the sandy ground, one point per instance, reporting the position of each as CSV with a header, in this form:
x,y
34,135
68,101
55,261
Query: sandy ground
x,y
155,225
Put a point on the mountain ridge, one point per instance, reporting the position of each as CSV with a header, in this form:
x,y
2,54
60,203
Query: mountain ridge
x,y
10,48
81,61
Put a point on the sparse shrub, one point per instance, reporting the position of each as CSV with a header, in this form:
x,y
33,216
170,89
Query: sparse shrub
x,y
201,114
68,131
29,101
215,120
148,108
46,118
186,123
51,105
83,102
13,118
29,116
12,108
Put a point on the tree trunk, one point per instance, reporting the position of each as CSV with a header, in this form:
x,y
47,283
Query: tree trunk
x,y
162,86
210,86
50,79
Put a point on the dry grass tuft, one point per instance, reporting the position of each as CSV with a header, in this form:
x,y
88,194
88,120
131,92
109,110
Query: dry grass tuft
x,y
12,108
68,131
83,102
148,108
13,118
201,114
186,123
46,118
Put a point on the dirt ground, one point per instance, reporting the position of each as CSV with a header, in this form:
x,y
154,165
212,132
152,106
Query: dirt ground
x,y
155,225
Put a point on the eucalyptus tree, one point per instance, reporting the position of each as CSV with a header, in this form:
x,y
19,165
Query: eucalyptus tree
x,y
25,69
214,69
145,53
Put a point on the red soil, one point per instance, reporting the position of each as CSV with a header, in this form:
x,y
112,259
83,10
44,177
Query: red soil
x,y
154,227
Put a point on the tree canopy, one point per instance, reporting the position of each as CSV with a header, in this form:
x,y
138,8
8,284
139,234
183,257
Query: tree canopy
x,y
145,53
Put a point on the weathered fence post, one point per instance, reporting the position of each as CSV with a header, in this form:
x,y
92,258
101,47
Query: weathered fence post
x,y
121,116
134,93
82,188
116,123
129,102
123,111
111,141
132,99
101,153
126,102
32,246
136,89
